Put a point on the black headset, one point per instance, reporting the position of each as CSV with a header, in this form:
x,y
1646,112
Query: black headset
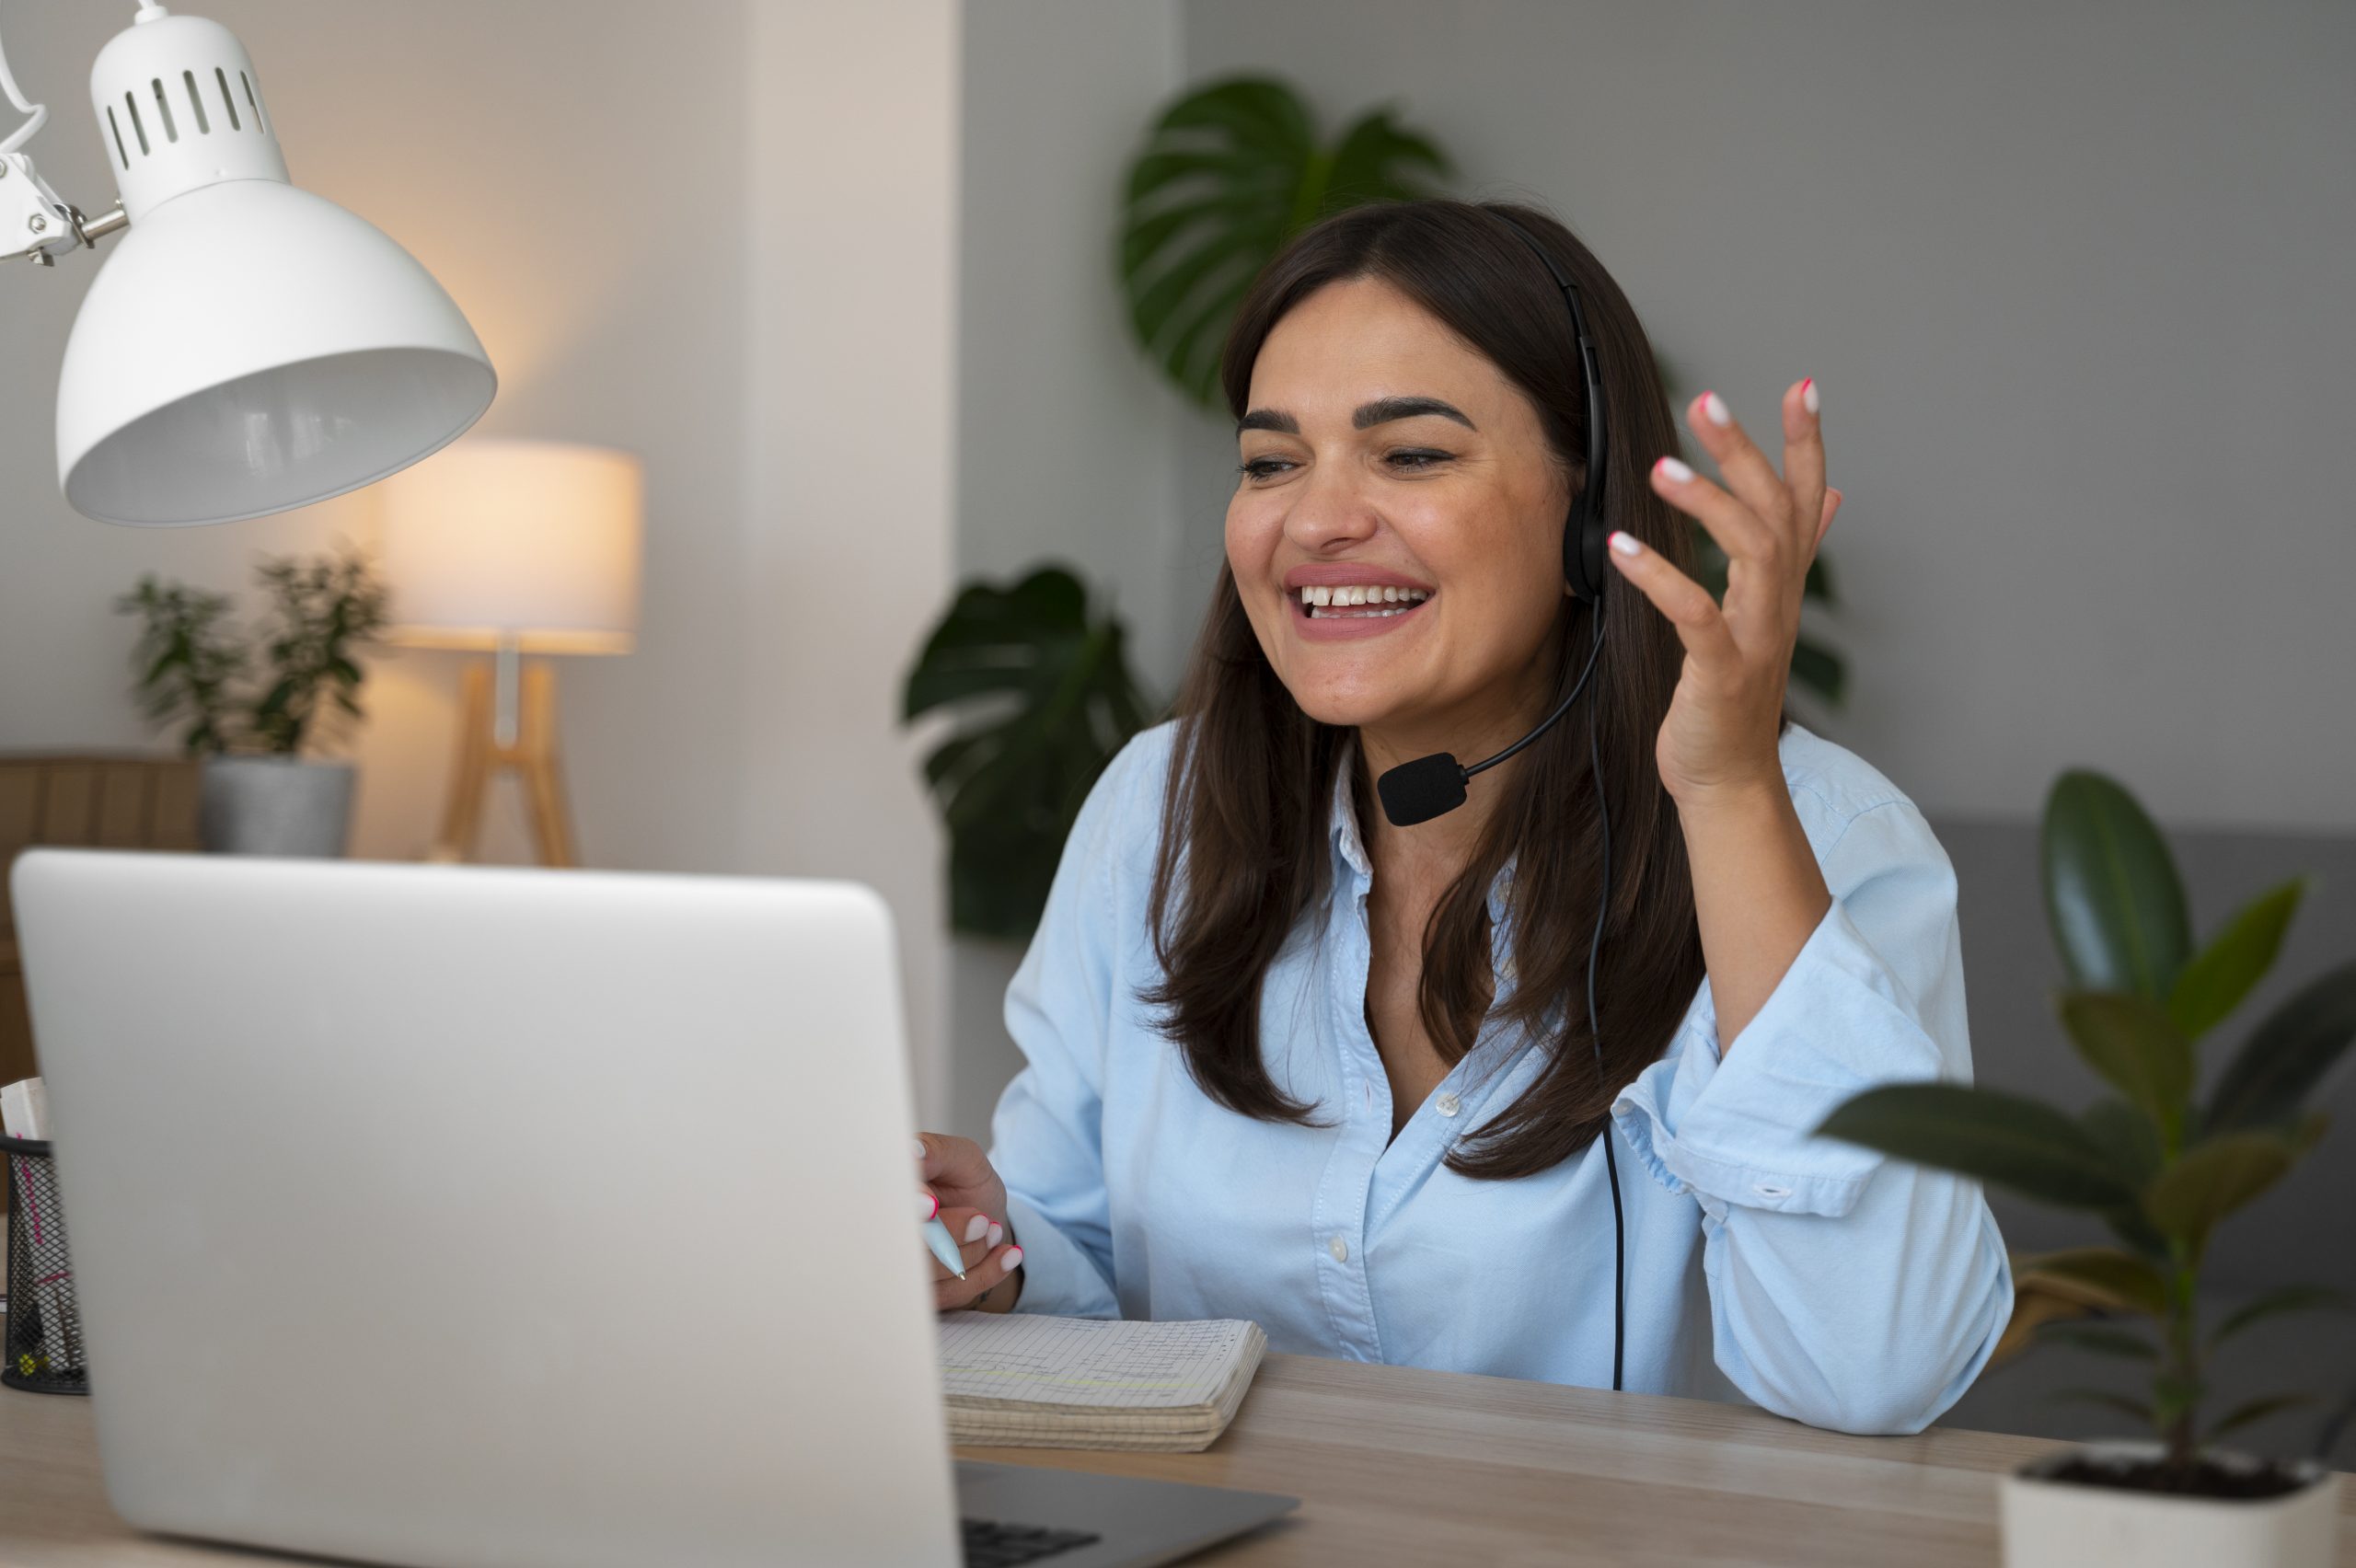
x,y
1419,790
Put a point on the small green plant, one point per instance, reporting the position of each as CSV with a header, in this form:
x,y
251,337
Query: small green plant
x,y
1044,699
2160,1166
193,665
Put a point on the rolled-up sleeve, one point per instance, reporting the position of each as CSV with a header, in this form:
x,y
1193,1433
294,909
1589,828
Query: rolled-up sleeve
x,y
1847,1290
1046,1136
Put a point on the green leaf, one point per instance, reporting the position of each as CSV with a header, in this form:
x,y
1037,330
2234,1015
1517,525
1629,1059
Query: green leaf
x,y
2256,1410
1820,669
1042,698
2101,1338
1231,170
2135,1410
2130,1137
2213,1179
2290,1299
2136,1048
2222,974
2111,890
1995,1136
2288,1054
2134,1283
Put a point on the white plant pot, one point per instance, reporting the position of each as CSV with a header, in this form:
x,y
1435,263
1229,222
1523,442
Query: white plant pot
x,y
2054,1523
275,805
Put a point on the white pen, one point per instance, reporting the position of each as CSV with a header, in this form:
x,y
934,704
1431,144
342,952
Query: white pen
x,y
937,1237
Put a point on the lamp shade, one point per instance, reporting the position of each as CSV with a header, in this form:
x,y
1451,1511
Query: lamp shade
x,y
533,542
248,346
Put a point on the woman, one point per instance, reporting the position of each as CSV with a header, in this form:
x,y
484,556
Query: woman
x,y
1292,1063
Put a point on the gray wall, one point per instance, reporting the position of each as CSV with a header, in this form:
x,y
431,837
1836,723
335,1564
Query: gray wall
x,y
2073,281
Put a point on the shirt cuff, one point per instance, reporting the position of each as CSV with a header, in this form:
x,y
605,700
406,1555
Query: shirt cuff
x,y
1058,1276
1741,1131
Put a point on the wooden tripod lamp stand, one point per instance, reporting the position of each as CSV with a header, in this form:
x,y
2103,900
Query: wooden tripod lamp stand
x,y
518,548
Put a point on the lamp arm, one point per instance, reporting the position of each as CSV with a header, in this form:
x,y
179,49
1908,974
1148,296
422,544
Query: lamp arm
x,y
29,210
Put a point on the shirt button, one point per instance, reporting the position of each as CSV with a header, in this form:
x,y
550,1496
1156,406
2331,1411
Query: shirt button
x,y
1447,1105
1340,1249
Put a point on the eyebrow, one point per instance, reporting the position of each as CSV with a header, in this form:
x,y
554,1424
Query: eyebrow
x,y
1381,411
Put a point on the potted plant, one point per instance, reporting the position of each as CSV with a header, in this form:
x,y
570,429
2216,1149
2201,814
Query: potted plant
x,y
261,794
2163,1167
1044,699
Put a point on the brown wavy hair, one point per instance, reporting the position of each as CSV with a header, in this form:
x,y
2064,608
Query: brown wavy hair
x,y
1244,851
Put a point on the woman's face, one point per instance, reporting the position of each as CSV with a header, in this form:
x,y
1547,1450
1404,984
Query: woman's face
x,y
1459,514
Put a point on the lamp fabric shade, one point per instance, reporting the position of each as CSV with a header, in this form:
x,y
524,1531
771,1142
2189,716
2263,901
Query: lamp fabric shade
x,y
534,544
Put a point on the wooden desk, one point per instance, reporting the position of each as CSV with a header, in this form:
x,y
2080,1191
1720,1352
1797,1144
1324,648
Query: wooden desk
x,y
1394,1467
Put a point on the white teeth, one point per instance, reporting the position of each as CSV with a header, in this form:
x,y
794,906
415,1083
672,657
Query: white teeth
x,y
1314,595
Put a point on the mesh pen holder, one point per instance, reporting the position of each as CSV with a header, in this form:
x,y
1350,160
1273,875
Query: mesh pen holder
x,y
45,1334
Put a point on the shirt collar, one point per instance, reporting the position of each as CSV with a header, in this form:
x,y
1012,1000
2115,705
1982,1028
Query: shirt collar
x,y
1350,847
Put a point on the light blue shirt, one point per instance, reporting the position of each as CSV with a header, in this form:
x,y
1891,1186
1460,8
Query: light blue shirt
x,y
1817,1278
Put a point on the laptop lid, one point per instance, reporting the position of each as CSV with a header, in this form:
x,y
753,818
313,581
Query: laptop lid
x,y
479,1216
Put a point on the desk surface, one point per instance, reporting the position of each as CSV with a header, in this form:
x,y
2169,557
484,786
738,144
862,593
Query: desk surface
x,y
1393,1465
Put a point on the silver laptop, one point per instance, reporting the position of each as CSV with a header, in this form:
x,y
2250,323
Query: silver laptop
x,y
457,1216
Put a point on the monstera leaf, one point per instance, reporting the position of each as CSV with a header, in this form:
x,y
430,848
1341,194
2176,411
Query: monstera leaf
x,y
1044,699
1226,176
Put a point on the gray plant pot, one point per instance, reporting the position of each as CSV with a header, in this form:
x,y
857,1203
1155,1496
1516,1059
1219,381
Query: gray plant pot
x,y
275,805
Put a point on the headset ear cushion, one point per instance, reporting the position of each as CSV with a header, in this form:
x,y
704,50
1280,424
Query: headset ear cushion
x,y
1583,563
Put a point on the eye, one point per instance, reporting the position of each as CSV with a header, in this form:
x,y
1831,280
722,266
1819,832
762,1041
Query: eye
x,y
1415,462
1261,468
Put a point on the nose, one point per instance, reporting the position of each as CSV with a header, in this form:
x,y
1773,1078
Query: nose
x,y
1328,512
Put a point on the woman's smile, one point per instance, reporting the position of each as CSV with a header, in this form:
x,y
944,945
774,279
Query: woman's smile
x,y
1341,600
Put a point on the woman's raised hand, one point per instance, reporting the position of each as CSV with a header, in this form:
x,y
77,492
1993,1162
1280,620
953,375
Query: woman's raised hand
x,y
954,1175
1720,736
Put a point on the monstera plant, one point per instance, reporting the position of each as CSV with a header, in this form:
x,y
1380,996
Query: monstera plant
x,y
1228,173
2159,1162
1043,697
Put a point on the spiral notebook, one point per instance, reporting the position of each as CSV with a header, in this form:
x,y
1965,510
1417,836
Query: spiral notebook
x,y
1021,1379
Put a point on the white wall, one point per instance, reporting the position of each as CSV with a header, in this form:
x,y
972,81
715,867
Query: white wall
x,y
2075,282
850,344
1067,439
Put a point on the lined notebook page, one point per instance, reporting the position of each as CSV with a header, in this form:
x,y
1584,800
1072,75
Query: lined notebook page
x,y
1114,1364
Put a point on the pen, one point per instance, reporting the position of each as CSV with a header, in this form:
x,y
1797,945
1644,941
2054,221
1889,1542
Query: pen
x,y
937,1237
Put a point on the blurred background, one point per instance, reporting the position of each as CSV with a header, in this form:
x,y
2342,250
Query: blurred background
x,y
849,281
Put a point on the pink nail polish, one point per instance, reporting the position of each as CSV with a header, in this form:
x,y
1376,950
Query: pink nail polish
x,y
1808,398
1714,409
1013,1259
998,1234
975,1229
927,1206
1670,468
1626,543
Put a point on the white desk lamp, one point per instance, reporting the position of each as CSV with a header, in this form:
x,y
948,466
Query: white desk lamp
x,y
517,548
250,347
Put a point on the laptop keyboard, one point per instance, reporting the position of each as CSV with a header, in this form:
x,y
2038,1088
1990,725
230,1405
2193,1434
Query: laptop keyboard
x,y
989,1544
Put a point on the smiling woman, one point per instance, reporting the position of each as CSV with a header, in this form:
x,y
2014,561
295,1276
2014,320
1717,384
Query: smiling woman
x,y
1292,1060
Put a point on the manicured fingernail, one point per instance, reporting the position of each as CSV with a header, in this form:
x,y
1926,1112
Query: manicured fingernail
x,y
1672,470
1714,409
1013,1259
1626,543
976,1228
998,1233
919,1148
927,1206
1808,399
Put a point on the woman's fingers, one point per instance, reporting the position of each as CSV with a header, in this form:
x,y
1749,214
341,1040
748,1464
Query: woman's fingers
x,y
1757,555
1804,454
1686,602
1749,475
982,1274
1832,505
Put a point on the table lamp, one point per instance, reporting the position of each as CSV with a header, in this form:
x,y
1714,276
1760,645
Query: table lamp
x,y
515,547
250,347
